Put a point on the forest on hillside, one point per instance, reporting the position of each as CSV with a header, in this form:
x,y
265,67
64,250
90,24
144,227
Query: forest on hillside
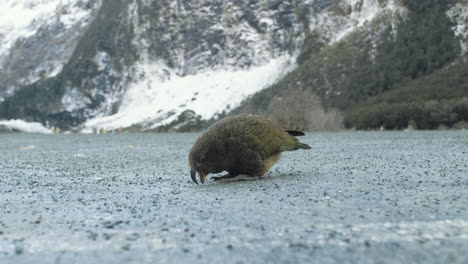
x,y
402,70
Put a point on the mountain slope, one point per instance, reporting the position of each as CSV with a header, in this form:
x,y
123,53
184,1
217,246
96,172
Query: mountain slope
x,y
148,62
154,65
436,100
38,37
396,47
130,46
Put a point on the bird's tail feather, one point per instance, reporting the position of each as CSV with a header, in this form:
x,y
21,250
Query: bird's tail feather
x,y
300,145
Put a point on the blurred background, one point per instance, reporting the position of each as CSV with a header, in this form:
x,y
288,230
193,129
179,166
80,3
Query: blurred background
x,y
95,66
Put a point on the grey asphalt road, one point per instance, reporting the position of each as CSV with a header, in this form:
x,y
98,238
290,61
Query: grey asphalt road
x,y
355,197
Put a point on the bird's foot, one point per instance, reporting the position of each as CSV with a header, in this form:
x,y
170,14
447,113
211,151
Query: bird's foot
x,y
240,177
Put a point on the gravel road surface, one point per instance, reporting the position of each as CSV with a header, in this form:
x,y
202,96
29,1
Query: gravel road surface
x,y
355,197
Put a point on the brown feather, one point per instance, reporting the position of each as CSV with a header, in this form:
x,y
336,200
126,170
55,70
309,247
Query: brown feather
x,y
242,144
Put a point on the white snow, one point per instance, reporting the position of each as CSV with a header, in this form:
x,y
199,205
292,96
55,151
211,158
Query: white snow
x,y
71,14
102,59
21,19
73,99
28,127
161,96
459,15
335,27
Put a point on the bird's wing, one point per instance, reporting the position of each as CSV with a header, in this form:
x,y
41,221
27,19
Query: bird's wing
x,y
264,137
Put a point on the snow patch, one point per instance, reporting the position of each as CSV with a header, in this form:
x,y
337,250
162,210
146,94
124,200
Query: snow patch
x,y
102,60
161,96
23,126
72,14
459,15
23,19
73,99
19,17
339,21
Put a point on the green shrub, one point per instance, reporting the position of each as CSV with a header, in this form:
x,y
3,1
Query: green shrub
x,y
430,114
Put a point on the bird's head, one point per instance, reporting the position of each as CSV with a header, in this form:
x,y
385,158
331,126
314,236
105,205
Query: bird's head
x,y
204,159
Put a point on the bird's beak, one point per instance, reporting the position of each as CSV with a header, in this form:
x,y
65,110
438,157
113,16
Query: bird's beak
x,y
193,174
202,177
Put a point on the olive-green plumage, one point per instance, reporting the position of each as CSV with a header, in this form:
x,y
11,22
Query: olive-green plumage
x,y
245,145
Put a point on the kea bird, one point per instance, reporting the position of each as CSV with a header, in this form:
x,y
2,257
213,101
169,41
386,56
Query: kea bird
x,y
245,146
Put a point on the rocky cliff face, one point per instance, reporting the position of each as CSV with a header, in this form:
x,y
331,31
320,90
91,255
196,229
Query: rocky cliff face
x,y
93,64
37,38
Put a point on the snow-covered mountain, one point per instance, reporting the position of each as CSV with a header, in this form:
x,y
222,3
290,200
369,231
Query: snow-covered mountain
x,y
241,50
94,64
37,37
